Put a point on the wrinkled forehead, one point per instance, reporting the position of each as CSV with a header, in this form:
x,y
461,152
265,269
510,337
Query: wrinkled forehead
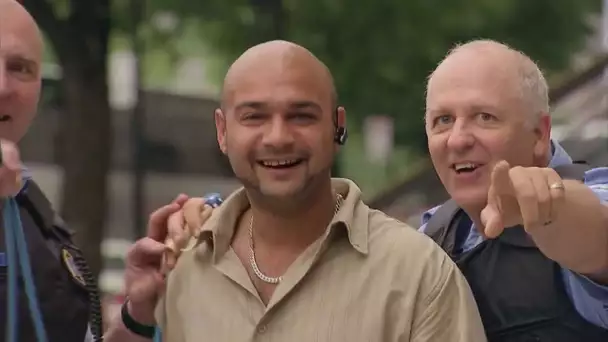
x,y
278,85
475,81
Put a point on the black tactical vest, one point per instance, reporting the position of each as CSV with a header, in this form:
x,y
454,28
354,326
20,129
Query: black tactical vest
x,y
520,292
67,292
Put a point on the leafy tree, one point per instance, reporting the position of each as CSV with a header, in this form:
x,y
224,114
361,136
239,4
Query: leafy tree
x,y
381,51
79,33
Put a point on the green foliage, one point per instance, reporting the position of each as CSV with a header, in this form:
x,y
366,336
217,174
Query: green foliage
x,y
381,51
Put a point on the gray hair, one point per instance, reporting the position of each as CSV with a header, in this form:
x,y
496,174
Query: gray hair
x,y
533,85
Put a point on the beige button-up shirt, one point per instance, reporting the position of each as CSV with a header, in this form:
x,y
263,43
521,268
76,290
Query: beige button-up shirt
x,y
368,278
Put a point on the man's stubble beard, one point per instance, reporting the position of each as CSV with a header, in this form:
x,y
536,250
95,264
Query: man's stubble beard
x,y
304,196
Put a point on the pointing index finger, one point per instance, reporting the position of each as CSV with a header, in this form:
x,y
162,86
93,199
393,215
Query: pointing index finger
x,y
157,223
501,182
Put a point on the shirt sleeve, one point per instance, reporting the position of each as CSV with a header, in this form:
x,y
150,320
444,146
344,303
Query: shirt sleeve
x,y
447,312
590,298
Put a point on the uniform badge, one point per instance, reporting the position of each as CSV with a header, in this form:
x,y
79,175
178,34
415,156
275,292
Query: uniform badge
x,y
70,264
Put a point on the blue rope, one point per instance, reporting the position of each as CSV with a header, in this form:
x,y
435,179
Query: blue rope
x,y
158,336
15,237
13,311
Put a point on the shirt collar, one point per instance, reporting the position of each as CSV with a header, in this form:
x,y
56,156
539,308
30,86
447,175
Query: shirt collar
x,y
352,217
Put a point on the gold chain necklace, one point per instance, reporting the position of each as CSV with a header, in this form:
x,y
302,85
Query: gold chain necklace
x,y
253,262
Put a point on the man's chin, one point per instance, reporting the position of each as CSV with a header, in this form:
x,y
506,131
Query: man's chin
x,y
471,200
281,191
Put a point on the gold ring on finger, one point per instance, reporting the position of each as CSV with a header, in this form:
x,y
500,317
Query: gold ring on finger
x,y
557,186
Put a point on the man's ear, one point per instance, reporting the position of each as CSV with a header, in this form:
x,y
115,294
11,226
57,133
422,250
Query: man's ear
x,y
340,131
220,127
543,137
340,116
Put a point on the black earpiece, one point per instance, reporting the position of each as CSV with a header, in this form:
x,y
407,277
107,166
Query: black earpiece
x,y
341,134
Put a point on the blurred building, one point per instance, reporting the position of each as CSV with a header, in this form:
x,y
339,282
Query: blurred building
x,y
180,155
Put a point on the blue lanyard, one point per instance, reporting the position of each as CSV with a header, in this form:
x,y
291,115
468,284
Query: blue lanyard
x,y
18,256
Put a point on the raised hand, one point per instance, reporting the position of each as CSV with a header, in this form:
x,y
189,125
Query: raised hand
x,y
144,271
185,225
528,196
10,169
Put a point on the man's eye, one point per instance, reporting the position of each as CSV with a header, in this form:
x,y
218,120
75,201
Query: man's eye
x,y
303,117
443,120
21,70
18,68
253,116
486,117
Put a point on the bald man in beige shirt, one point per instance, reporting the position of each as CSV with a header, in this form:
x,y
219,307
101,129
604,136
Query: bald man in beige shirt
x,y
296,256
368,277
324,266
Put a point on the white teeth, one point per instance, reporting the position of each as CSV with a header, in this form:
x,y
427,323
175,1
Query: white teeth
x,y
464,166
276,163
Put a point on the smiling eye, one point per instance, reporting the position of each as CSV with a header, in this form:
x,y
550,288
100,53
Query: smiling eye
x,y
22,70
486,116
302,117
253,116
443,120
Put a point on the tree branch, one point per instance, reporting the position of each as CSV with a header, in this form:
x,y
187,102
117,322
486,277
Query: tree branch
x,y
89,23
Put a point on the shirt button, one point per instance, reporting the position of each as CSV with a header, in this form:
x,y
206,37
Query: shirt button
x,y
262,329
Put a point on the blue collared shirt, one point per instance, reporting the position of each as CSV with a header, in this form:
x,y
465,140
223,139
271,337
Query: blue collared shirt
x,y
589,298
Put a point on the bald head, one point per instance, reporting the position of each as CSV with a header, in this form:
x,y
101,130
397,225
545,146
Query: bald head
x,y
15,18
276,58
496,60
20,69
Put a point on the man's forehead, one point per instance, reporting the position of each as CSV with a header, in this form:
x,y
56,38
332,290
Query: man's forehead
x,y
279,71
280,91
485,73
11,46
19,34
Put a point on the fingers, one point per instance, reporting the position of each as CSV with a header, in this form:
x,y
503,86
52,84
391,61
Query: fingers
x,y
538,201
157,223
170,257
557,196
10,156
177,238
10,170
180,199
543,197
500,179
491,219
195,228
192,210
175,226
145,252
526,195
205,215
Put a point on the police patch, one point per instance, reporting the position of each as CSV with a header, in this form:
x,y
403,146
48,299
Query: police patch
x,y
70,264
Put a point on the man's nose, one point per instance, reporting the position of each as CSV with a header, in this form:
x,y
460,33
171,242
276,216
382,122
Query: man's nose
x,y
460,138
278,133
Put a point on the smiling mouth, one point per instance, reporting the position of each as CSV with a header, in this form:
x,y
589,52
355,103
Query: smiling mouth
x,y
461,168
280,164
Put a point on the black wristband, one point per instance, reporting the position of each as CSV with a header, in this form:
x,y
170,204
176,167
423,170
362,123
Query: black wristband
x,y
135,327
